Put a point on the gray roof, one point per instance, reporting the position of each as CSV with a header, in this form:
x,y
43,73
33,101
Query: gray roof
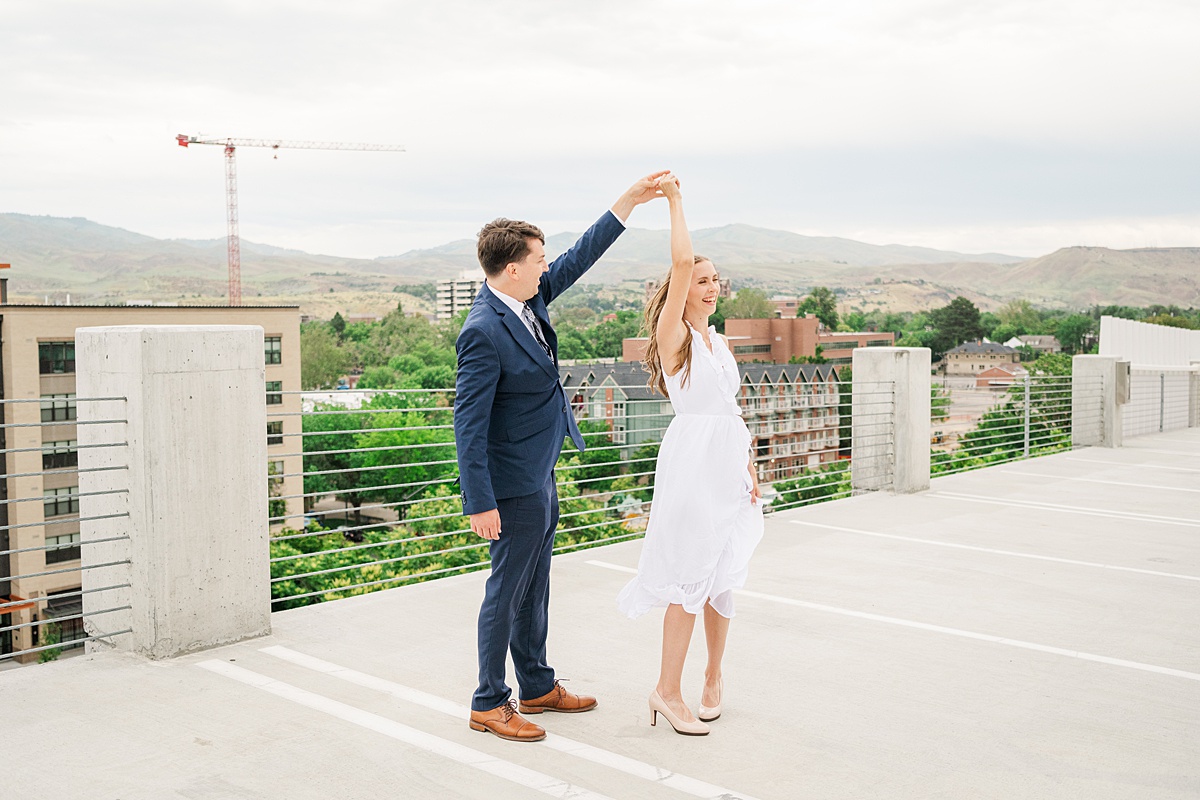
x,y
632,377
985,347
629,375
1040,341
760,373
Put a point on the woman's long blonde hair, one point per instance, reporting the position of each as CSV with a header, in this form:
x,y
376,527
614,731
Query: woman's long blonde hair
x,y
652,361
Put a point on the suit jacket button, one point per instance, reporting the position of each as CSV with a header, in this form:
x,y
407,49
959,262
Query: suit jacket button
x,y
564,409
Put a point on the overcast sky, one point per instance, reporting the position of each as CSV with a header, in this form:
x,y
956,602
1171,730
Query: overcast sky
x,y
1015,127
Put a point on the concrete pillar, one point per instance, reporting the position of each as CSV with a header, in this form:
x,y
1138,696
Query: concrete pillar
x,y
1099,387
195,487
890,440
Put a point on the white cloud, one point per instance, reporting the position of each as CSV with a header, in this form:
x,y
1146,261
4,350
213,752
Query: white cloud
x,y
548,108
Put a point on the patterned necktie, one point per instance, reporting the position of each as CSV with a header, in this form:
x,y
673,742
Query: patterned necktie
x,y
535,328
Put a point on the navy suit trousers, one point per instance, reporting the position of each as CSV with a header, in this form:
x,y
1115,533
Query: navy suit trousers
x,y
516,600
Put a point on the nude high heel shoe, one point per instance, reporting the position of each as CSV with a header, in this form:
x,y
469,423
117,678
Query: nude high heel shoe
x,y
709,714
659,706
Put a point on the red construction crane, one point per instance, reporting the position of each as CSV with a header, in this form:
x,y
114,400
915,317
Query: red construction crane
x,y
230,145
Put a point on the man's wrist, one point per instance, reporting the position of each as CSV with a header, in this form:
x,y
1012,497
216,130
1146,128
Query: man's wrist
x,y
623,207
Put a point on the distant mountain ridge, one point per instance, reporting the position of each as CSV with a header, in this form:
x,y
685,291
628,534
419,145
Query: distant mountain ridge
x,y
643,253
99,263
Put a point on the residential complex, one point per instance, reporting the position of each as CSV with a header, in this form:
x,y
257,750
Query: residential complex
x,y
39,506
779,340
1039,344
455,295
972,358
790,409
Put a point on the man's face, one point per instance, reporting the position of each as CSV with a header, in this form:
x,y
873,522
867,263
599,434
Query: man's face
x,y
526,274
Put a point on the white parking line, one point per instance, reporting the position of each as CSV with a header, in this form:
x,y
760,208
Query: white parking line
x,y
629,766
1040,506
958,546
477,759
1126,464
1023,474
1189,453
983,637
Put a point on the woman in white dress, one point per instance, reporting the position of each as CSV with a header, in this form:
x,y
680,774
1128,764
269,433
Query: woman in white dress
x,y
706,517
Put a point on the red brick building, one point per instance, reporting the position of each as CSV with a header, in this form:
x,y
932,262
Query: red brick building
x,y
779,340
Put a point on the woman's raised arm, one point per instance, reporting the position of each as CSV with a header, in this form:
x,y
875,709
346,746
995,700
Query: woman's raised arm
x,y
671,330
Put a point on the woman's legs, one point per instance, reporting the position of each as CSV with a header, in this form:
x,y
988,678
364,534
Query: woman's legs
x,y
716,630
677,635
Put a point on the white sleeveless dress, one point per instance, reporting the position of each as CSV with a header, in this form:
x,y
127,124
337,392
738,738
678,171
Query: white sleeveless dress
x,y
703,526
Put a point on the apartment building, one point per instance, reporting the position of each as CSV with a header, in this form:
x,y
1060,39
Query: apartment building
x,y
455,295
790,409
780,340
39,527
972,358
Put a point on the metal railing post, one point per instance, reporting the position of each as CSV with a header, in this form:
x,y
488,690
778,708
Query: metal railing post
x,y
1162,399
1028,378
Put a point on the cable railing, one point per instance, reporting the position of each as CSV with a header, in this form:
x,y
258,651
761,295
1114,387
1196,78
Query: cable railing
x,y
42,558
1160,400
1029,416
380,507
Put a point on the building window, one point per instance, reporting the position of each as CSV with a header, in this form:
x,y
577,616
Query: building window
x,y
61,501
62,548
274,355
746,349
618,426
60,455
56,358
58,407
275,432
274,477
274,388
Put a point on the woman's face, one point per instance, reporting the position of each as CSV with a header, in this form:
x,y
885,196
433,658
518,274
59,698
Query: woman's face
x,y
702,295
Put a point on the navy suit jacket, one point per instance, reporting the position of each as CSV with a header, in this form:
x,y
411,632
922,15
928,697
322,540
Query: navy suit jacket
x,y
510,410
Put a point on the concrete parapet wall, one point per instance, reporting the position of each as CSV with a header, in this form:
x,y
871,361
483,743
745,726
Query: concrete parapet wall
x,y
890,442
196,480
1095,381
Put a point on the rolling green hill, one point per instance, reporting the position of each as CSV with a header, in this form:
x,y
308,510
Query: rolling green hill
x,y
53,256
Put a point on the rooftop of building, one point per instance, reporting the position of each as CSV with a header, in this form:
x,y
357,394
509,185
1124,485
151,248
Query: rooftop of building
x,y
973,348
632,377
1022,631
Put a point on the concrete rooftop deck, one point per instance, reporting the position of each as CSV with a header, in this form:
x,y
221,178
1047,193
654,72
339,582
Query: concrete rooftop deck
x,y
1026,631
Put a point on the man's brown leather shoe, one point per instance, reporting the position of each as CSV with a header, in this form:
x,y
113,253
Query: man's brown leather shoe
x,y
505,722
558,699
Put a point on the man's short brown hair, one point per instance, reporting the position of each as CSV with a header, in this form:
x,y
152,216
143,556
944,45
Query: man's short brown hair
x,y
504,241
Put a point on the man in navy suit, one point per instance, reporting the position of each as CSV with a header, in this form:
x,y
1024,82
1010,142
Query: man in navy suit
x,y
510,418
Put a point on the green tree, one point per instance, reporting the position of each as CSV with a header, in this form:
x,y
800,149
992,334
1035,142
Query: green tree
x,y
749,304
338,324
322,361
605,340
573,344
955,323
331,458
406,451
50,633
939,403
1019,315
717,318
1073,330
822,302
1171,321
